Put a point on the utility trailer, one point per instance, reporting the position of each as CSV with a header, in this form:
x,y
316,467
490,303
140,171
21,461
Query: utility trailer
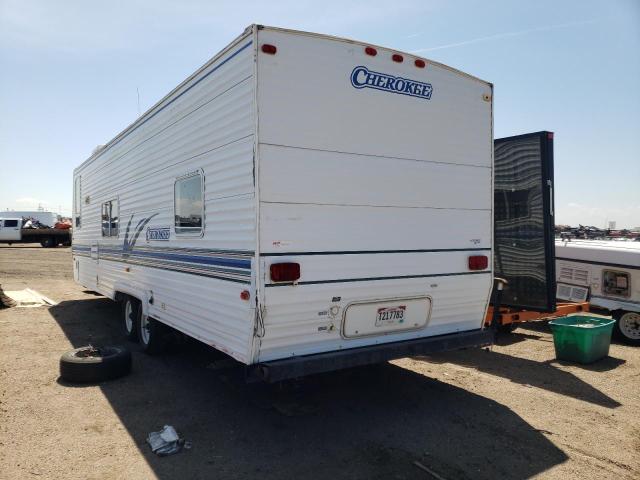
x,y
11,232
303,203
524,233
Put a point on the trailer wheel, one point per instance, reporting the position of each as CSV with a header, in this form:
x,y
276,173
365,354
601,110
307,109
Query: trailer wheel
x,y
627,326
131,312
153,335
90,364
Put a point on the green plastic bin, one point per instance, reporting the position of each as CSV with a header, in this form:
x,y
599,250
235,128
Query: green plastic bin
x,y
582,338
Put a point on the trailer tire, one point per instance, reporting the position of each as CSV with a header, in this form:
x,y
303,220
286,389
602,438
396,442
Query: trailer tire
x,y
131,312
627,327
91,365
153,335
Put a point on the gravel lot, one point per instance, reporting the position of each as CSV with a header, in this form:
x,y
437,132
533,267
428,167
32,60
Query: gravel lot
x,y
512,412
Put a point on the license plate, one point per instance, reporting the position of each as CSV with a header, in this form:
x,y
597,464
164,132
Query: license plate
x,y
390,315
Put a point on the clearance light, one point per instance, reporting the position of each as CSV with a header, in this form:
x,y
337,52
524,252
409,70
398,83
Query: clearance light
x,y
245,295
397,58
420,63
284,272
371,51
270,49
478,262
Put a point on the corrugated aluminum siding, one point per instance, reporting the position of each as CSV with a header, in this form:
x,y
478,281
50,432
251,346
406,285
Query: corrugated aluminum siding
x,y
206,125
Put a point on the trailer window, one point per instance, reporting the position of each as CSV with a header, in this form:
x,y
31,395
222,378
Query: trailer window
x,y
615,283
110,218
11,223
188,204
77,202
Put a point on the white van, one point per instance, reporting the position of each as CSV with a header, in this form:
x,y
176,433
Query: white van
x,y
302,202
608,274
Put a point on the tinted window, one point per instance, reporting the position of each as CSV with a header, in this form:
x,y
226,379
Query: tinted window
x,y
110,219
77,202
188,204
11,223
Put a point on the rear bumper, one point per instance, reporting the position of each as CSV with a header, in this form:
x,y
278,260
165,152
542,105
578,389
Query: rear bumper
x,y
276,370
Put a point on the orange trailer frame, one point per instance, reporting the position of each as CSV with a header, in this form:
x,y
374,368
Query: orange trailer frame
x,y
511,315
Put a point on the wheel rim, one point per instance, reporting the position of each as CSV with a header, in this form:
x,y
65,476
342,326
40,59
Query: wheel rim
x,y
128,320
630,325
145,334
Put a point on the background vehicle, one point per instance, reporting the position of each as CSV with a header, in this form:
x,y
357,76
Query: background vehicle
x,y
48,219
607,273
12,231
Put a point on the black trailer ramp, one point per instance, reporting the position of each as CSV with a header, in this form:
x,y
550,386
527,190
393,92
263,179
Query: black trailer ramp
x,y
524,252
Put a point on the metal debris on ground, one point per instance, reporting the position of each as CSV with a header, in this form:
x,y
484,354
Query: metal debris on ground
x,y
166,442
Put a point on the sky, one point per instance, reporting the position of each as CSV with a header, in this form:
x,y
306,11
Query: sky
x,y
71,73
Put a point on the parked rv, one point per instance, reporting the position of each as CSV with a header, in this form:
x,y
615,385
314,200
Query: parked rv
x,y
303,203
607,273
16,230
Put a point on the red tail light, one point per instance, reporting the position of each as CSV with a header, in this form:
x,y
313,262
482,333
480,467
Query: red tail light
x,y
371,51
270,49
284,272
478,262
397,58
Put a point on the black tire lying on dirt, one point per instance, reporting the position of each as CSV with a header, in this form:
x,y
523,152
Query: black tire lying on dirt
x,y
95,364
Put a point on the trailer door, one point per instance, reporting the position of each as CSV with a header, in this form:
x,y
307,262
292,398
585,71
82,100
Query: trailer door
x,y
524,252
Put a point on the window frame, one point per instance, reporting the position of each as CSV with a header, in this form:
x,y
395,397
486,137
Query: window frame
x,y
110,233
617,272
77,202
178,230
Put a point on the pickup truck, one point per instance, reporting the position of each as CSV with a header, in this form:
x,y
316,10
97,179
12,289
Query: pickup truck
x,y
11,231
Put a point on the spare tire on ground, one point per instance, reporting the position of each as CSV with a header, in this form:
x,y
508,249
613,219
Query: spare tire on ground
x,y
95,364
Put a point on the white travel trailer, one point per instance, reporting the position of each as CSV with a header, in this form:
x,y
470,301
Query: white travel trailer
x,y
303,203
608,274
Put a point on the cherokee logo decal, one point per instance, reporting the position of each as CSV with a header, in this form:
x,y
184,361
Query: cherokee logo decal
x,y
362,77
160,233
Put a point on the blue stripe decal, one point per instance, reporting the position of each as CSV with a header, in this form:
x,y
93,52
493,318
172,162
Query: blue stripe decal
x,y
126,132
180,257
232,265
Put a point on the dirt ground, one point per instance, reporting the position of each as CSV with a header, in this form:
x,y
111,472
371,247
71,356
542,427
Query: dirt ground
x,y
512,412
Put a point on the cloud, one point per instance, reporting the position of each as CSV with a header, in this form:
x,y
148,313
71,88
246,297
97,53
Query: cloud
x,y
78,26
504,35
